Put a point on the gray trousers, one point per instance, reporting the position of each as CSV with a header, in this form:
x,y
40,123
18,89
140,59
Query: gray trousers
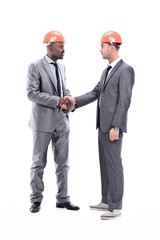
x,y
60,141
111,170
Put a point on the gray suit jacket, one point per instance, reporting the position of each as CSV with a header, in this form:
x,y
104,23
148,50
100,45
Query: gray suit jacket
x,y
41,91
113,98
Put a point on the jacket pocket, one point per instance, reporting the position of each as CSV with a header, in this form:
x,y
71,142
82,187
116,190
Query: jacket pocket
x,y
112,109
40,109
108,109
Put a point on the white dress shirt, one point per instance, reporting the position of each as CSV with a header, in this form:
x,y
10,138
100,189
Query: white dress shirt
x,y
113,64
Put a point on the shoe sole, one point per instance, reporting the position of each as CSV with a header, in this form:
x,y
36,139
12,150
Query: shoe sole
x,y
99,209
60,207
68,208
110,218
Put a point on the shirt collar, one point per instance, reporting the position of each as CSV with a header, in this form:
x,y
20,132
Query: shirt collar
x,y
49,60
114,62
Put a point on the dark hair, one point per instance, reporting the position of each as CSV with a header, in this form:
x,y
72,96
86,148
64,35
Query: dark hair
x,y
117,45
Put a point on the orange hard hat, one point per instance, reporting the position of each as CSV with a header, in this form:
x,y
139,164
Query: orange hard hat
x,y
53,36
111,37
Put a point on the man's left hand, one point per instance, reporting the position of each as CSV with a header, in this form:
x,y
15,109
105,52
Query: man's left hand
x,y
113,134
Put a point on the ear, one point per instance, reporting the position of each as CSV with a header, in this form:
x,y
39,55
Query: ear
x,y
112,48
51,46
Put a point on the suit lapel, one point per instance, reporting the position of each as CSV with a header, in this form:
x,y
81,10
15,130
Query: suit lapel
x,y
48,70
113,71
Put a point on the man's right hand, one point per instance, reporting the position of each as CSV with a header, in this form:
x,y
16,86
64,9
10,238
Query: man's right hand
x,y
73,100
66,104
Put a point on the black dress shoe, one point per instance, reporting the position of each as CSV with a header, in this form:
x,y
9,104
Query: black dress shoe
x,y
35,207
67,205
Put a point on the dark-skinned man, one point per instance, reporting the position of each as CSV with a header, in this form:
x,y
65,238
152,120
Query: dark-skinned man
x,y
46,87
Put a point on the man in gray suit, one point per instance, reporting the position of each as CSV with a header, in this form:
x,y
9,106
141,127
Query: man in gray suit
x,y
46,86
113,91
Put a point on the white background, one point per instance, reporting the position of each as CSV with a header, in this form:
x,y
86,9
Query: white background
x,y
23,26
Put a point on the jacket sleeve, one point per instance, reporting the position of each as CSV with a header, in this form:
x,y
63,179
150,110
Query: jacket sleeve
x,y
126,83
33,89
88,97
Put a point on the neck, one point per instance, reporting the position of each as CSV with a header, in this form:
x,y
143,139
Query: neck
x,y
52,57
113,58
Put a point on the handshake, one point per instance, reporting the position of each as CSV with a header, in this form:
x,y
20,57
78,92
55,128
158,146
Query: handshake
x,y
67,104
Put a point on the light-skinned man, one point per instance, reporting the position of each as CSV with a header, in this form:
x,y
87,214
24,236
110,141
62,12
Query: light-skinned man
x,y
113,92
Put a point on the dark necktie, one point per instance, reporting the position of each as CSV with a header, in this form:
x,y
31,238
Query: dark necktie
x,y
58,80
108,68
